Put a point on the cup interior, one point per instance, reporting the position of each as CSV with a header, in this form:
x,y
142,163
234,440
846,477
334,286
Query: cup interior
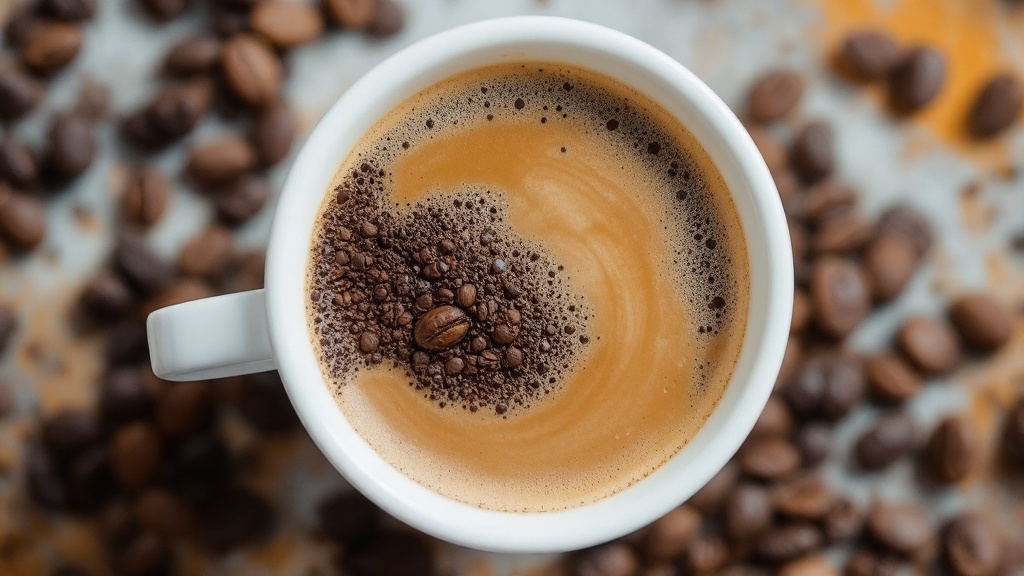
x,y
696,107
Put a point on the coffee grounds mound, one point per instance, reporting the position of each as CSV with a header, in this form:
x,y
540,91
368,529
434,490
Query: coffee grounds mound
x,y
476,316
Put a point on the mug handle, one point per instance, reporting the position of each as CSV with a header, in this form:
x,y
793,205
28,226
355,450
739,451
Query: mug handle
x,y
211,338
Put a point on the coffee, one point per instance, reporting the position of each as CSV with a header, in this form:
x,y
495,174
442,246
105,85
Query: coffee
x,y
528,287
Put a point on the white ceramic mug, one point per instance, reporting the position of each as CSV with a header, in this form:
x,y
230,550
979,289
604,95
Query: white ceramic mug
x,y
266,329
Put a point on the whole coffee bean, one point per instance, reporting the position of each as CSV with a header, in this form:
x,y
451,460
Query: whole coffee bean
x,y
21,21
984,323
346,515
814,441
771,149
139,265
804,498
220,161
197,54
710,498
146,196
917,79
173,113
748,511
235,518
208,253
842,234
135,455
124,397
891,379
842,522
8,325
22,220
813,154
19,93
243,199
286,24
183,290
826,199
1013,434
908,223
791,362
163,512
870,563
273,132
51,47
353,14
840,296
813,565
89,480
932,346
774,95
46,484
972,546
952,450
252,70
388,19
788,542
145,554
889,264
997,106
892,437
900,528
775,419
870,54
666,538
230,19
69,10
127,343
184,408
768,458
801,311
71,145
70,431
441,327
247,271
93,99
163,10
827,386
18,163
264,404
706,554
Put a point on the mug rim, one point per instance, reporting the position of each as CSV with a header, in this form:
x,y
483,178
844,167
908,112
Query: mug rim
x,y
300,371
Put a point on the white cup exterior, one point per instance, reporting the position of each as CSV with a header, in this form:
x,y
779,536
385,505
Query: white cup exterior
x,y
676,89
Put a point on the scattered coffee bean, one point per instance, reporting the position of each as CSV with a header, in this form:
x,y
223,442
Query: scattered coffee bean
x,y
775,419
93,100
146,196
706,554
69,10
893,436
784,543
19,93
668,537
172,114
197,54
252,70
135,455
184,408
951,452
273,132
842,522
984,323
791,362
164,512
812,154
917,79
8,325
932,346
1013,435
997,106
139,265
870,55
127,343
183,290
889,264
243,199
813,565
106,298
843,234
22,220
388,19
46,483
774,95
124,397
51,47
18,163
768,458
814,441
900,528
840,296
908,223
771,149
208,253
972,546
441,328
163,10
220,161
710,498
827,386
71,145
891,379
354,14
827,199
804,498
748,511
870,563
286,24
21,21
264,404
70,431
607,560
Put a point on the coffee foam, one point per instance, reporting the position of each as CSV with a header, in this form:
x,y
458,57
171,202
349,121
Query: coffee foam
x,y
625,199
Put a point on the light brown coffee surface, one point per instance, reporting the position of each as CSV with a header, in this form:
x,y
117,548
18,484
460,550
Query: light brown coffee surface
x,y
603,204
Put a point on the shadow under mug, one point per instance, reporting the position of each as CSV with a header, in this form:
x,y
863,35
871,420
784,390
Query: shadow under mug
x,y
267,329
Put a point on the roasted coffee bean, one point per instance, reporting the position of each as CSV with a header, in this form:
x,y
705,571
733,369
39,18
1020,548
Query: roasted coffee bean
x,y
983,322
889,264
89,481
908,223
163,10
51,47
264,404
243,199
70,10
465,295
917,79
827,386
706,554
21,20
801,312
843,234
208,253
22,220
997,106
197,54
234,518
135,455
804,498
870,563
710,498
71,145
774,95
127,343
273,132
813,565
353,14
784,543
246,272
286,24
775,419
139,265
45,482
146,196
892,437
18,163
220,161
19,93
748,511
952,450
972,546
183,290
667,537
813,154
106,298
252,70
1013,434
173,113
70,431
773,152
145,554
768,458
931,345
230,19
184,408
163,512
826,199
388,19
124,397
791,362
346,515
842,522
441,327
840,296
814,441
870,54
891,379
93,99
900,528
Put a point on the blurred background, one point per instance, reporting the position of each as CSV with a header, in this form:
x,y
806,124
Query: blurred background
x,y
142,146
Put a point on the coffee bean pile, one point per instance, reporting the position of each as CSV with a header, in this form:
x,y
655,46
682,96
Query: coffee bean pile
x,y
445,291
771,510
